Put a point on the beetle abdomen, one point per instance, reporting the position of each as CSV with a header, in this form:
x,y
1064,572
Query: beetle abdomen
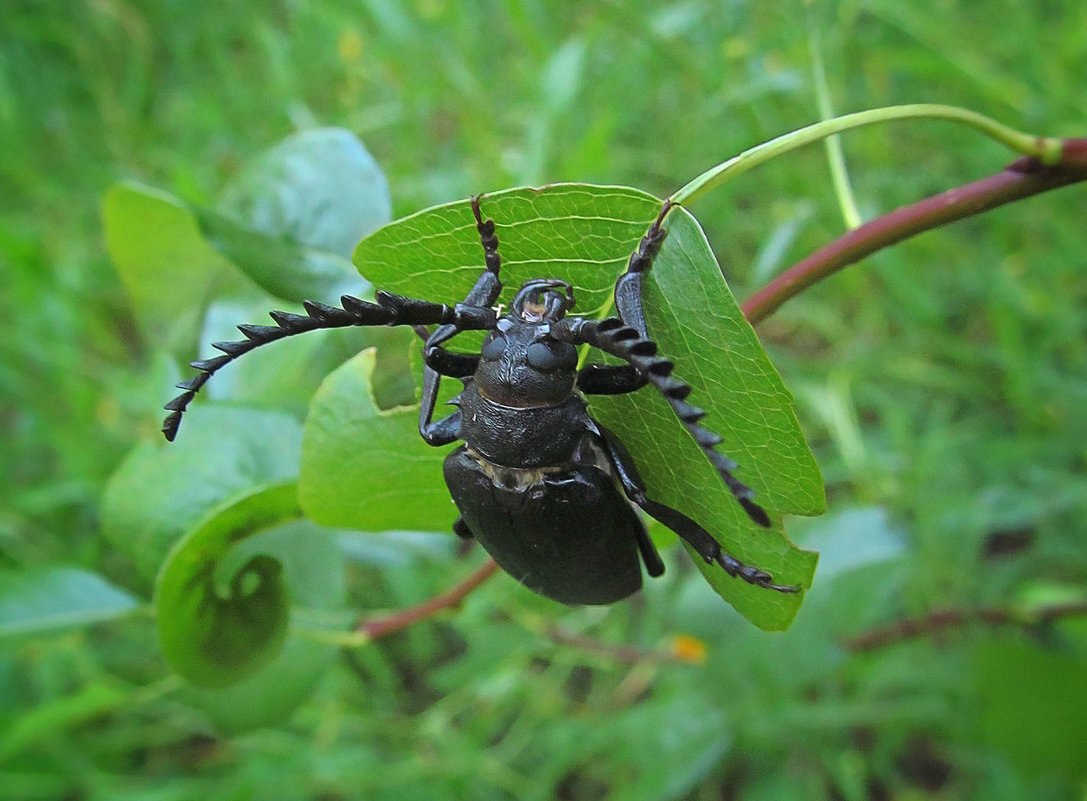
x,y
571,537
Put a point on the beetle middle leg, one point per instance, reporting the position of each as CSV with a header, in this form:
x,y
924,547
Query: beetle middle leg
x,y
615,337
697,537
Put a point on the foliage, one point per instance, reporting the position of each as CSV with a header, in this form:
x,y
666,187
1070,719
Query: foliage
x,y
940,384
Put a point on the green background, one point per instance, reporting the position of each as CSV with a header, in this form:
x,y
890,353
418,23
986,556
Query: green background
x,y
942,386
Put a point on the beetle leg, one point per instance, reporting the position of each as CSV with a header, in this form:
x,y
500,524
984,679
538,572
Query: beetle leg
x,y
476,313
613,336
654,565
488,239
487,288
449,363
628,287
606,379
435,432
697,537
460,528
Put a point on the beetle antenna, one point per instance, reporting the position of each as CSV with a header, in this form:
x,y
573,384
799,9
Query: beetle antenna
x,y
389,310
615,337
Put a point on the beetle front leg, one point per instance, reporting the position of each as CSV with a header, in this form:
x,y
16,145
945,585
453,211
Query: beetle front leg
x,y
476,313
697,537
486,290
435,432
628,287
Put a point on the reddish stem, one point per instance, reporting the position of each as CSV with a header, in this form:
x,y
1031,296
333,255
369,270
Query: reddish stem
x,y
1018,180
402,618
942,619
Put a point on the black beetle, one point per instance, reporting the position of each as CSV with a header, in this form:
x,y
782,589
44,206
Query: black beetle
x,y
548,491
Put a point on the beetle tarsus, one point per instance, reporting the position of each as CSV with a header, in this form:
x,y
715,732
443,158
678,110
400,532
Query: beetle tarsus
x,y
695,535
487,238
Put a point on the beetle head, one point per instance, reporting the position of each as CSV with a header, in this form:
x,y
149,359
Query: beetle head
x,y
539,302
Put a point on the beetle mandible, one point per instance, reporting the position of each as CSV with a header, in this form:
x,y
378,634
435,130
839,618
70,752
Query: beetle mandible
x,y
548,491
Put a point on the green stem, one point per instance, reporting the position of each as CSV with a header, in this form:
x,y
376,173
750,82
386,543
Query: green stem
x,y
1046,150
839,173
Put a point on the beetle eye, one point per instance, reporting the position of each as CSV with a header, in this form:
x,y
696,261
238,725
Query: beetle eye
x,y
493,347
552,355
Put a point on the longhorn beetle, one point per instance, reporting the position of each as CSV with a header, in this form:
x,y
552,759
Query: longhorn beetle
x,y
537,480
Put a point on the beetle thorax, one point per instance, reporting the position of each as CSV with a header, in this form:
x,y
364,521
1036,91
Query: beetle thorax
x,y
523,366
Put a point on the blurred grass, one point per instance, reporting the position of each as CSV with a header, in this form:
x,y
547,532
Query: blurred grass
x,y
943,382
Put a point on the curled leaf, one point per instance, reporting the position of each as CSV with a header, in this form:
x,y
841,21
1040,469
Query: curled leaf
x,y
215,633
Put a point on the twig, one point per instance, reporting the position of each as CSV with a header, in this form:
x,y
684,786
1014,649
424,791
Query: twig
x,y
942,619
402,618
1021,179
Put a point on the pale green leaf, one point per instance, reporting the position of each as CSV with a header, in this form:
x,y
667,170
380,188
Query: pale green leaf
x,y
56,598
365,468
166,267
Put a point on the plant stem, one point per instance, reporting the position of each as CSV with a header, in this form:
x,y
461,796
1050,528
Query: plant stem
x,y
1046,150
402,618
630,654
942,619
839,173
1021,179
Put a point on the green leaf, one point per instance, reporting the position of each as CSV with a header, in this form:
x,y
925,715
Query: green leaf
x,y
365,468
684,738
693,316
57,598
268,697
292,217
1019,681
47,720
289,222
278,265
162,489
214,632
698,324
320,188
585,234
581,232
165,265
